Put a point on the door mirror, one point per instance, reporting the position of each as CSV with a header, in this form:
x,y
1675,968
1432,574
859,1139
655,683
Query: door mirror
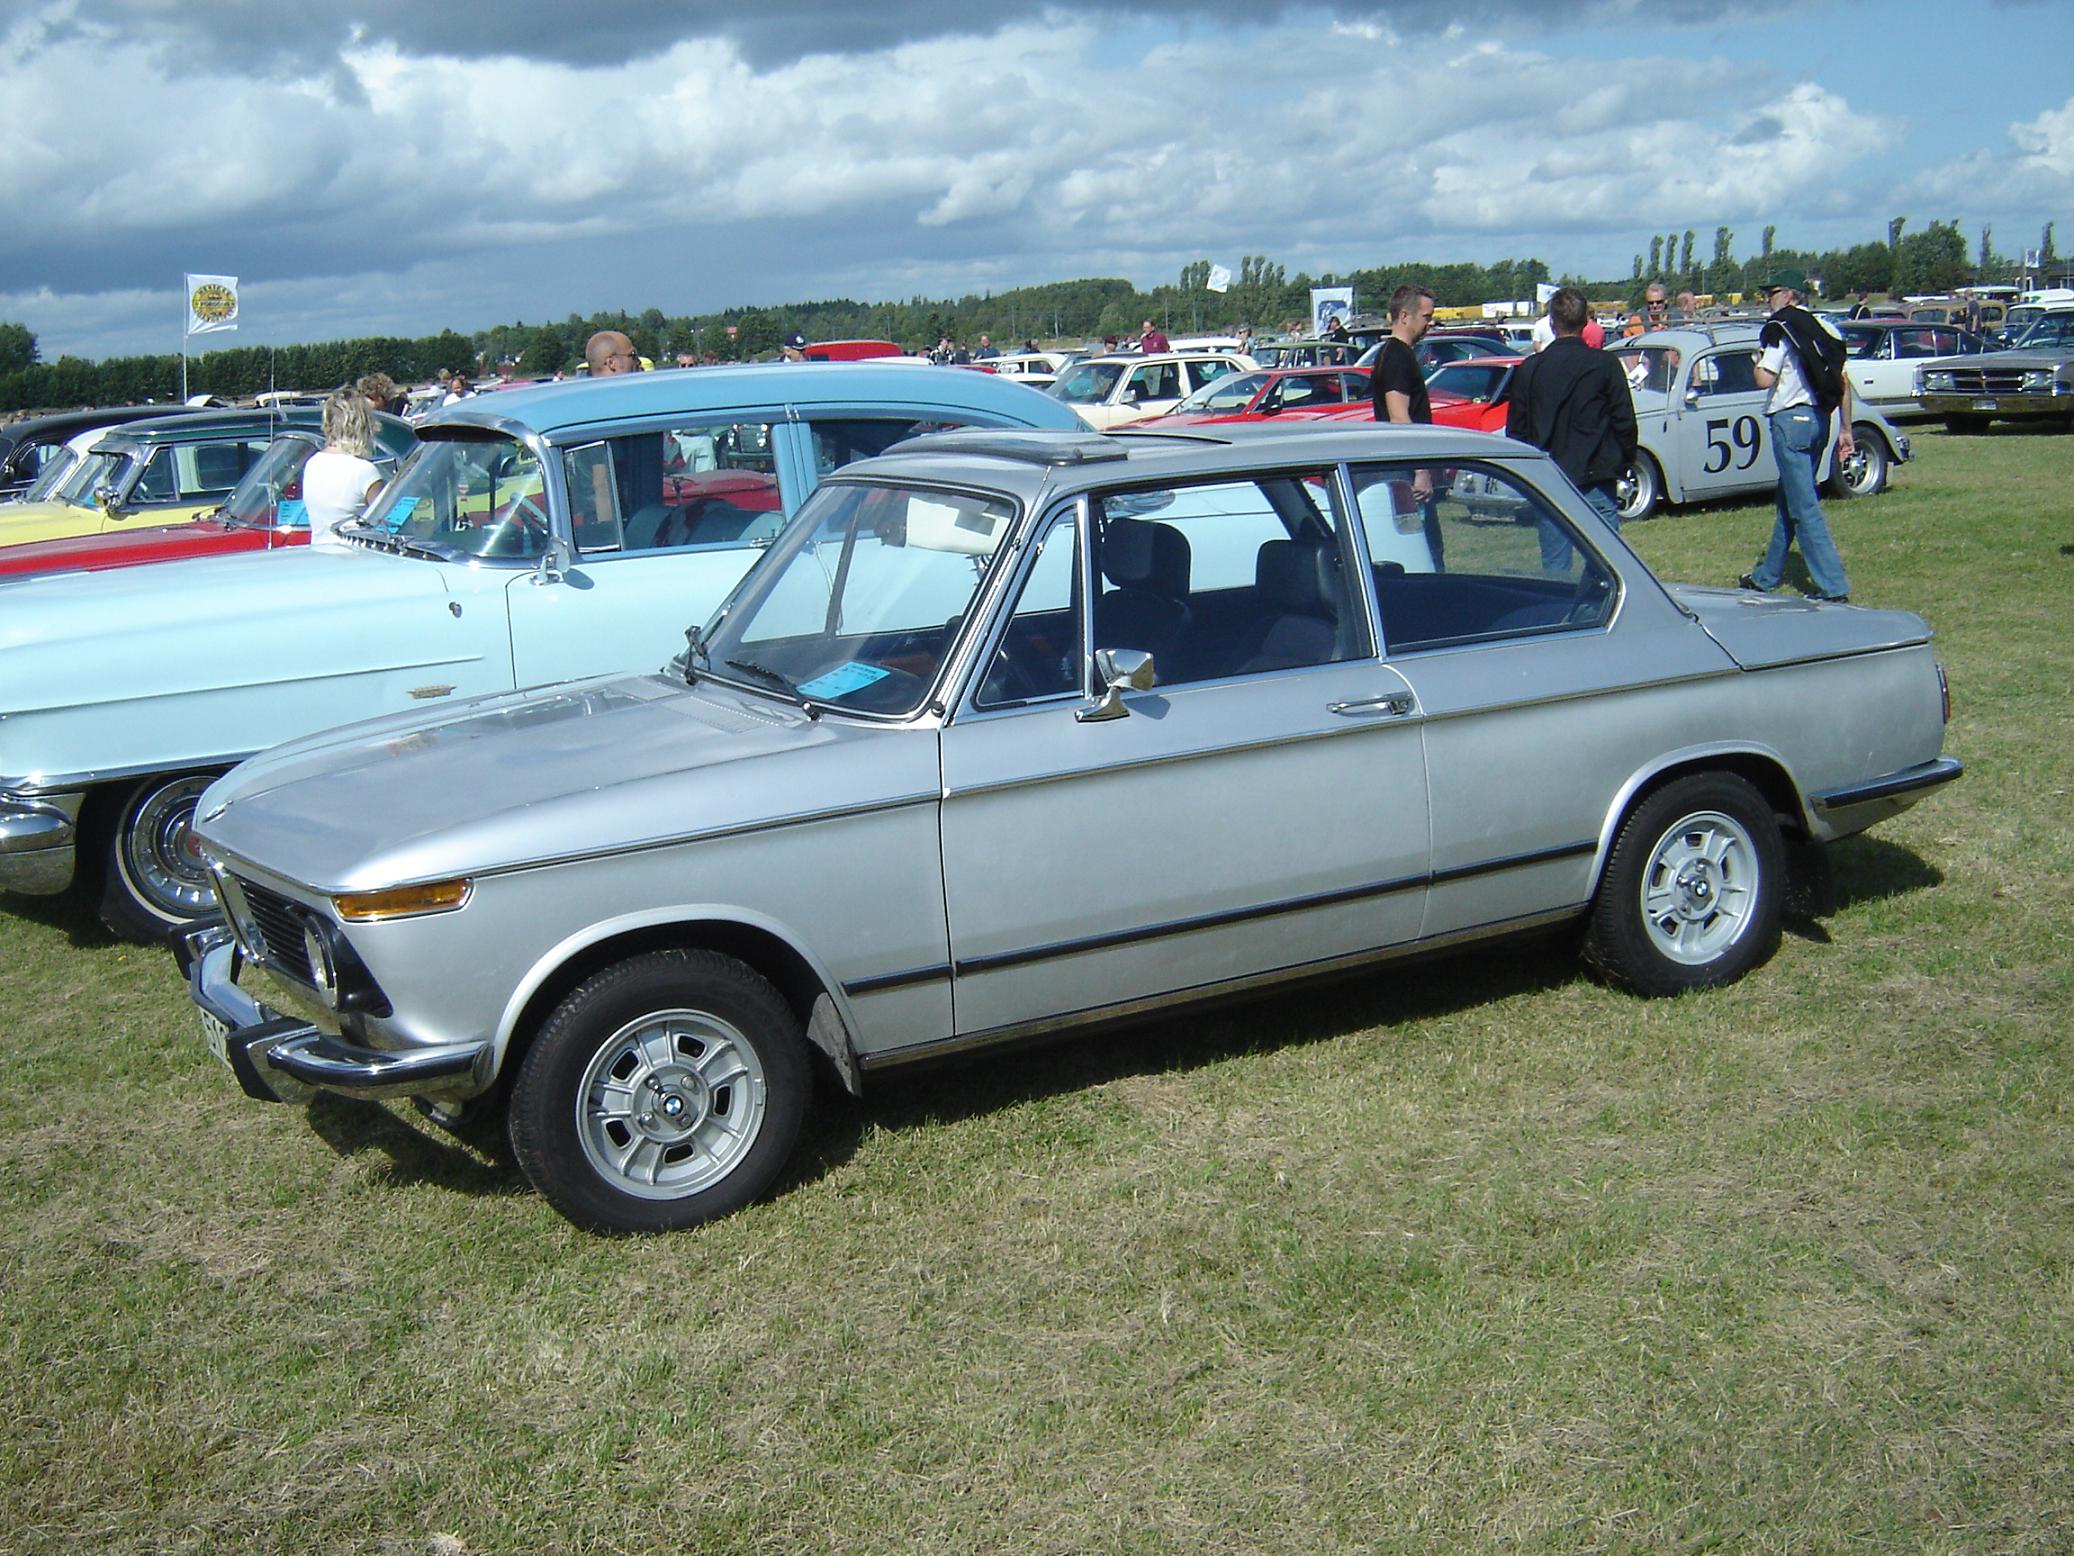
x,y
1120,669
555,561
104,498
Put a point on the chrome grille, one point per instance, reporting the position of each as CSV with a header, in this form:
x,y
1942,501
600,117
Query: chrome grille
x,y
279,922
1976,380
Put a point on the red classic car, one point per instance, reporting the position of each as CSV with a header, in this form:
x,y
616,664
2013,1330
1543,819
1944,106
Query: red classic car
x,y
1294,392
1472,393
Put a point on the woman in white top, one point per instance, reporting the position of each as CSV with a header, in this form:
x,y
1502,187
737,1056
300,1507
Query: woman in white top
x,y
339,480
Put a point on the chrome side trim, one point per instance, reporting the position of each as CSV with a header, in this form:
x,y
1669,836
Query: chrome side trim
x,y
880,982
1121,937
1909,780
1047,1026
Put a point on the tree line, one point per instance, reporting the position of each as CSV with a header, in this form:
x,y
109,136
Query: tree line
x,y
1261,293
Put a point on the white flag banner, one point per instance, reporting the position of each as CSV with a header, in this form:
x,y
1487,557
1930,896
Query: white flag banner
x,y
1220,279
212,304
1543,291
1329,303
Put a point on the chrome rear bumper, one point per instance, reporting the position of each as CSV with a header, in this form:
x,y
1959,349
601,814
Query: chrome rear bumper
x,y
39,837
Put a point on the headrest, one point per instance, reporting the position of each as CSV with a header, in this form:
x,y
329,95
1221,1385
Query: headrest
x,y
1298,578
1141,555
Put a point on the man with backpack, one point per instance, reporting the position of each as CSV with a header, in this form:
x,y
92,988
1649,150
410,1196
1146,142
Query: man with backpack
x,y
1801,362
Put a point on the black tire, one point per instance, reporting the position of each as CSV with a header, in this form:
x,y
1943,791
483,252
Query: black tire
x,y
1692,891
152,881
666,1091
1966,426
1641,490
1866,472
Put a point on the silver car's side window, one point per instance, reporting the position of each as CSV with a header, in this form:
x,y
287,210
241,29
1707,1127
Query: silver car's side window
x,y
1039,655
701,484
1472,555
1225,578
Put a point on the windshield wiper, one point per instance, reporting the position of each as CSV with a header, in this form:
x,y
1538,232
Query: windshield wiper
x,y
778,679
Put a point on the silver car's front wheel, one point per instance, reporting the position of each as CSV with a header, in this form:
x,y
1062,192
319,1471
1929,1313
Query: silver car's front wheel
x,y
1864,472
1692,890
1640,490
663,1092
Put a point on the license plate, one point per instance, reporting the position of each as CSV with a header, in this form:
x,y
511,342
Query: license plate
x,y
217,1035
1985,405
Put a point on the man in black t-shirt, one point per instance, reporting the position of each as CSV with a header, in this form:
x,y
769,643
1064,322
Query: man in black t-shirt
x,y
1398,383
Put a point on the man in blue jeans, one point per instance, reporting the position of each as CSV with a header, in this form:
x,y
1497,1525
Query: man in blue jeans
x,y
1800,434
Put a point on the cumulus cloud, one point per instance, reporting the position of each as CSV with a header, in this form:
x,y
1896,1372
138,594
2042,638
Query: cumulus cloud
x,y
2033,176
399,181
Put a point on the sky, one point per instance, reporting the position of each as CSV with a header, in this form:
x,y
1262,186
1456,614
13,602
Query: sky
x,y
396,167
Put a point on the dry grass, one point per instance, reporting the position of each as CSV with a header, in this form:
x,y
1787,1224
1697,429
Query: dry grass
x,y
1477,1255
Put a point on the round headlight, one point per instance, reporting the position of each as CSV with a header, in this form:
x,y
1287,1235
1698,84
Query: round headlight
x,y
316,946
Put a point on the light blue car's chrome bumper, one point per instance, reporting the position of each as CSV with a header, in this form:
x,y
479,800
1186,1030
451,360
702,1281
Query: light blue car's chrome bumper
x,y
38,842
283,1058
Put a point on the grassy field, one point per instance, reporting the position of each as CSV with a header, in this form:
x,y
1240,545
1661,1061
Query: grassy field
x,y
1473,1255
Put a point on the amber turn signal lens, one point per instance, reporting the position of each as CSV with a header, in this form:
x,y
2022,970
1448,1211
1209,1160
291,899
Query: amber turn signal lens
x,y
363,907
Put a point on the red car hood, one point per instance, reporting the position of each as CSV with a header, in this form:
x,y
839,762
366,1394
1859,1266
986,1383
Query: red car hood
x,y
135,547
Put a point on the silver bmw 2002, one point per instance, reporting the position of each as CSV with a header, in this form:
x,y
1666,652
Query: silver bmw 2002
x,y
1016,732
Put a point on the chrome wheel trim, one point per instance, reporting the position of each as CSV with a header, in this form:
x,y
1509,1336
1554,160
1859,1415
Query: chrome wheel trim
x,y
159,853
670,1104
1700,887
1857,473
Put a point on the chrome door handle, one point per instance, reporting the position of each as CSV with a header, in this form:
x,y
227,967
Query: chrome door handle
x,y
1395,703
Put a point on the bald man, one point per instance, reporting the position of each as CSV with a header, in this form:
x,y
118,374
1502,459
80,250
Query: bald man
x,y
609,352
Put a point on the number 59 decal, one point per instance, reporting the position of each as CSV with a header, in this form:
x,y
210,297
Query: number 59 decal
x,y
1743,430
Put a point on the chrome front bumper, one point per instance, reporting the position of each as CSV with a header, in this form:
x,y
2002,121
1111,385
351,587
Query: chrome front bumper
x,y
279,1057
39,836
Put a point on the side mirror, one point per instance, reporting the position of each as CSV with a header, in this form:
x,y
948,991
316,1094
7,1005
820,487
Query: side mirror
x,y
1120,669
1692,399
555,561
104,499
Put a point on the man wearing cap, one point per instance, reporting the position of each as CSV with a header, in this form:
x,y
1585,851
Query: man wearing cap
x,y
1800,434
793,348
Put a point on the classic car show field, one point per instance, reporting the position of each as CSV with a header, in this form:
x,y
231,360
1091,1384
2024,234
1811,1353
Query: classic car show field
x,y
1469,1253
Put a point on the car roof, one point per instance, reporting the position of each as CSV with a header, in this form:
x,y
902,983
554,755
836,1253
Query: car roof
x,y
61,426
1031,465
583,402
194,426
1697,335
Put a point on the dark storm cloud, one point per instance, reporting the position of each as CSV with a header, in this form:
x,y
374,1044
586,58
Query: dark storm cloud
x,y
266,36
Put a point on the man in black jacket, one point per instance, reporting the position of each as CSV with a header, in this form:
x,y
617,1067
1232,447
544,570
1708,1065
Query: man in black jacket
x,y
1574,402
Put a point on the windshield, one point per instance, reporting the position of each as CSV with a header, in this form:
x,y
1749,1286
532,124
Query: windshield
x,y
1649,368
1478,381
1086,383
52,476
1231,393
2047,330
859,603
269,496
98,469
465,497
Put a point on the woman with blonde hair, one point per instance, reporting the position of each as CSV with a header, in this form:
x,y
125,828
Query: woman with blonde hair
x,y
340,480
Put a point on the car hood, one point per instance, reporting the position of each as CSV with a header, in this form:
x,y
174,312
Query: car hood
x,y
1760,631
517,780
2004,361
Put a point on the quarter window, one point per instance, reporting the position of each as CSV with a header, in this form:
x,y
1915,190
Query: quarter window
x,y
1465,556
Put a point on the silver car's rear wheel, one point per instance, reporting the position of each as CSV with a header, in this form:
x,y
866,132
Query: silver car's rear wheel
x,y
663,1092
1692,890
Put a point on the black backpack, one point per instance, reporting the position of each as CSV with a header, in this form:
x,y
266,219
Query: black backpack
x,y
1821,354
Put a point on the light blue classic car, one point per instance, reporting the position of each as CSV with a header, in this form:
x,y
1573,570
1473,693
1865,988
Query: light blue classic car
x,y
539,534
1019,732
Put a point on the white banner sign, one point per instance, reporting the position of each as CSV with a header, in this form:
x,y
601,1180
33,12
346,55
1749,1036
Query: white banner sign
x,y
1543,291
212,304
1220,279
1329,303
